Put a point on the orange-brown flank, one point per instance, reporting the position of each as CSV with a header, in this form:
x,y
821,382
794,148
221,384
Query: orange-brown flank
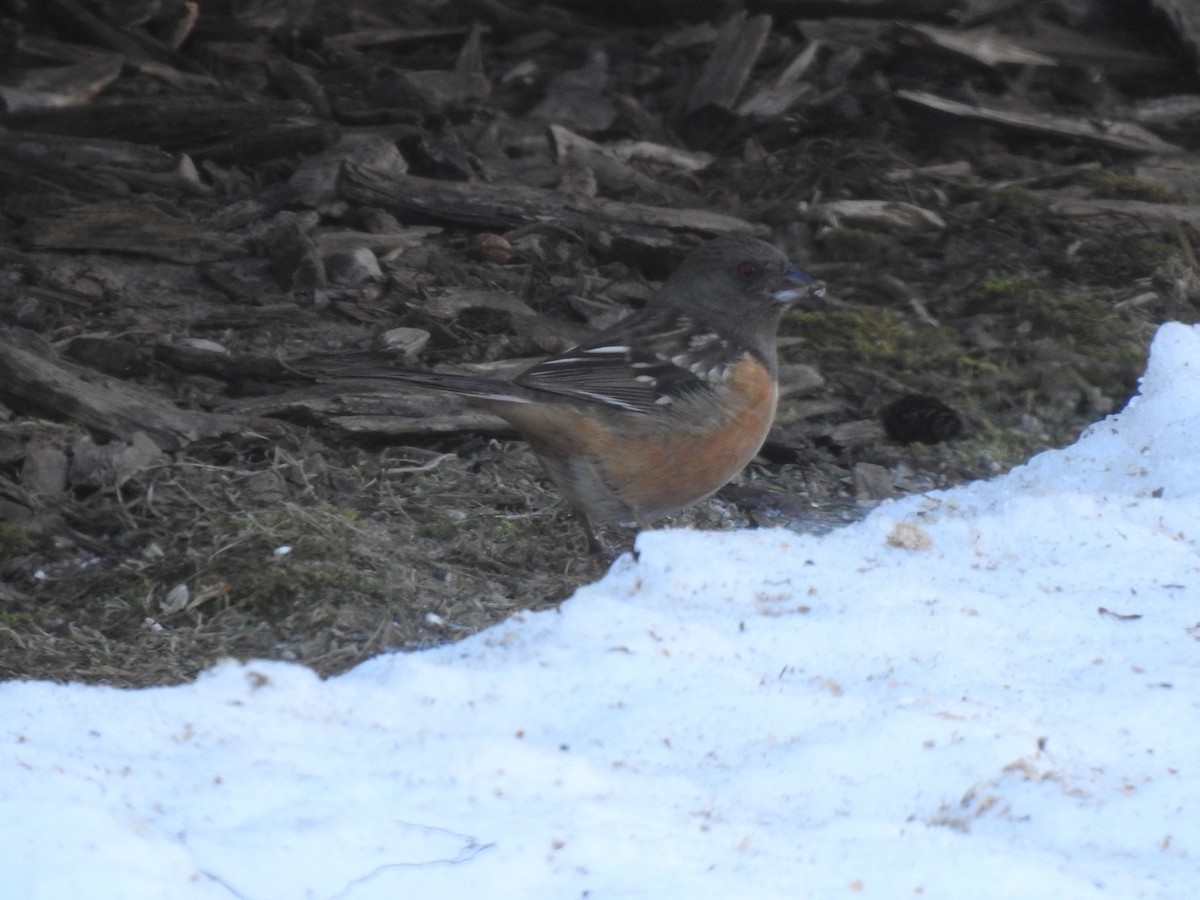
x,y
653,467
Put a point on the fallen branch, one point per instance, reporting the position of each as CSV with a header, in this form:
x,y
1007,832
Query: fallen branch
x,y
59,390
503,206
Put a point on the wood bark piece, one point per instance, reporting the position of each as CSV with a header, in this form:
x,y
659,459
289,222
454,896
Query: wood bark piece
x,y
270,142
1184,16
52,388
381,409
786,90
511,205
376,37
63,85
739,43
83,151
1142,210
612,172
1091,51
85,168
45,177
1175,113
133,227
886,215
175,123
1120,135
577,99
663,155
132,43
984,45
440,92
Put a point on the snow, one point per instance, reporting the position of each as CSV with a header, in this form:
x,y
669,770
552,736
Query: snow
x,y
987,692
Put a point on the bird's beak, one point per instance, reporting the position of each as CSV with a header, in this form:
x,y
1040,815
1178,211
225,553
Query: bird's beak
x,y
797,286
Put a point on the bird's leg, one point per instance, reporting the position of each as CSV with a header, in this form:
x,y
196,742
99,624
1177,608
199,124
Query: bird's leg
x,y
597,546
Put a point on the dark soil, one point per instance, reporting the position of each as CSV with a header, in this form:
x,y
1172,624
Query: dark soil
x,y
331,525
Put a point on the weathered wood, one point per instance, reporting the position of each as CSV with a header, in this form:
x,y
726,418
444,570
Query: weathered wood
x,y
1184,16
132,43
984,45
377,37
513,205
128,227
787,90
88,152
1162,213
739,43
612,173
174,123
64,85
1120,135
270,142
60,390
374,408
45,177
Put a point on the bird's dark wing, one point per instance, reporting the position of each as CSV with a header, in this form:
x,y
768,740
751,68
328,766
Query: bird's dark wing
x,y
644,363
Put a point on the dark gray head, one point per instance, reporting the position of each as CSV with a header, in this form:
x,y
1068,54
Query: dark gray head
x,y
738,283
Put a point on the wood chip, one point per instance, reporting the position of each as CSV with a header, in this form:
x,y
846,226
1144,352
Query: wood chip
x,y
984,45
1184,16
884,215
128,227
739,43
503,206
1120,135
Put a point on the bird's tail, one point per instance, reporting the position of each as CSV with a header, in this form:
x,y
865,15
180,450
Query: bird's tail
x,y
474,386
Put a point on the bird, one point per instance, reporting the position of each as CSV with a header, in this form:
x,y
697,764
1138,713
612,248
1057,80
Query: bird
x,y
664,407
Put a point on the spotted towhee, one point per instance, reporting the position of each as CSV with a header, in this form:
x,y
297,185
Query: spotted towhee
x,y
664,407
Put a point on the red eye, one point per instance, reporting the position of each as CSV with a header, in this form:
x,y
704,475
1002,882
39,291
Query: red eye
x,y
747,270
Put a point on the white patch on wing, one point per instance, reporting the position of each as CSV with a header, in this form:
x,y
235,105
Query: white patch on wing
x,y
608,400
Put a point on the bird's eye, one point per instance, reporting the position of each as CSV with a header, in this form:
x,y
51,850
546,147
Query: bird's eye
x,y
747,270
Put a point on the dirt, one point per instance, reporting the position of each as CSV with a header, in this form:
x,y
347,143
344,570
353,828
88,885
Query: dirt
x,y
301,538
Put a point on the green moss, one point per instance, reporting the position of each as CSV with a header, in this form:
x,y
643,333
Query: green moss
x,y
239,553
1124,256
1008,200
1109,185
873,334
15,540
1008,287
972,366
442,530
997,448
852,244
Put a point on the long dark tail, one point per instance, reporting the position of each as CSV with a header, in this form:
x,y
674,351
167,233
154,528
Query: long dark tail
x,y
464,385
